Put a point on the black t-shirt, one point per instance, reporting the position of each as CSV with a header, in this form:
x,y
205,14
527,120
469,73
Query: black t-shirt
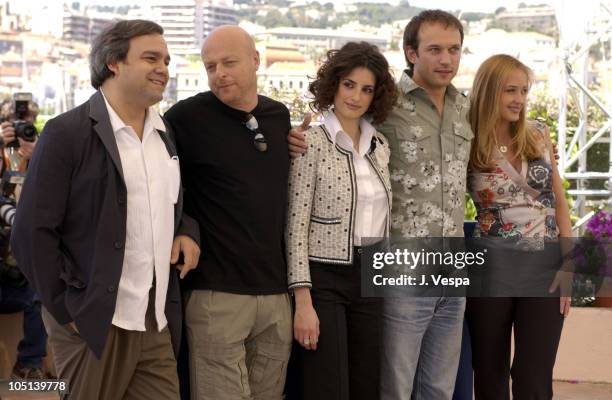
x,y
237,194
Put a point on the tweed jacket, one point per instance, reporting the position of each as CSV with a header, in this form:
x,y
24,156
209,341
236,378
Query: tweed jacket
x,y
322,203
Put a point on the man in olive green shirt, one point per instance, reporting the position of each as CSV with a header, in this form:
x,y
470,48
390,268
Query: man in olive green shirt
x,y
430,151
430,140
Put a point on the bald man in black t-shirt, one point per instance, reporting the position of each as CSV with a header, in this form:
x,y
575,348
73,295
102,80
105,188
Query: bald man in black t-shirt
x,y
234,165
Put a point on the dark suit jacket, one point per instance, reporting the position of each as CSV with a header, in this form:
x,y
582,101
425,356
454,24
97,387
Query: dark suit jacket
x,y
69,231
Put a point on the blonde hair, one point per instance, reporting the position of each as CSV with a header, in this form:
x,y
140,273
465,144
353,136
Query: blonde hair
x,y
485,113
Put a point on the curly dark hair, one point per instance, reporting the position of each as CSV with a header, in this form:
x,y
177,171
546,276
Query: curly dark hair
x,y
340,63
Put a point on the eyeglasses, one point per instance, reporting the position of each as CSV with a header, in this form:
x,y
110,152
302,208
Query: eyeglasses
x,y
259,140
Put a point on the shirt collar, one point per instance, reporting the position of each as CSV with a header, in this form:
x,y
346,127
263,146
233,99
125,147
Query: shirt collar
x,y
334,127
152,119
407,85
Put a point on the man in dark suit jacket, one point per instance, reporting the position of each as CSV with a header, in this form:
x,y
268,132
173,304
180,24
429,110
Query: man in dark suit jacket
x,y
95,225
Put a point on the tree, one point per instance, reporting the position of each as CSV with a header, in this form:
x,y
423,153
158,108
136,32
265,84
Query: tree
x,y
473,16
275,18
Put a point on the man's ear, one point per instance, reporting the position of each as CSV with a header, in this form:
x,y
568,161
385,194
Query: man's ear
x,y
411,54
256,59
114,68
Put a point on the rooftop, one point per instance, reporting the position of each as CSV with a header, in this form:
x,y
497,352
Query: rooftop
x,y
321,33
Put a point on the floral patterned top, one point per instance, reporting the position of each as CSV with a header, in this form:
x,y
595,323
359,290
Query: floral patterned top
x,y
428,165
512,204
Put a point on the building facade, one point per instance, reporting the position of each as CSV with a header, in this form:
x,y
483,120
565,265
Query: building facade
x,y
539,19
84,27
308,38
187,23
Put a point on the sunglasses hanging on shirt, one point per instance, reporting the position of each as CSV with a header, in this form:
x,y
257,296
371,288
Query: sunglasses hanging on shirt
x,y
259,141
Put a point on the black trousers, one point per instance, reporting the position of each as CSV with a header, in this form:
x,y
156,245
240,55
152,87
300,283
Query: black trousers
x,y
537,326
346,364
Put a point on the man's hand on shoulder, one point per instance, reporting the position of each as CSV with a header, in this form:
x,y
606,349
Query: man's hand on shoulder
x,y
191,254
297,142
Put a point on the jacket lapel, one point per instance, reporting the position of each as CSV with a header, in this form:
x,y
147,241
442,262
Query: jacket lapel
x,y
170,147
168,139
99,113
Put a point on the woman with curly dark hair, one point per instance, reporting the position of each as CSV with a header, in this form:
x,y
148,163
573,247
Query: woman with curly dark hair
x,y
339,199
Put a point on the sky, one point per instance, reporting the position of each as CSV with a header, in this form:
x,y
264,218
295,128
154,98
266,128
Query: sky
x,y
465,5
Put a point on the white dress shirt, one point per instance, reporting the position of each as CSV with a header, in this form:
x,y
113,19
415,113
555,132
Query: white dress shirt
x,y
372,205
152,179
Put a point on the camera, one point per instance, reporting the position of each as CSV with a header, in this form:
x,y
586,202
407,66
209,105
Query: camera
x,y
23,128
20,112
9,273
7,212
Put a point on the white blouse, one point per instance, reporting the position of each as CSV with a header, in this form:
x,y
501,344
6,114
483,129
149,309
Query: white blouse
x,y
372,206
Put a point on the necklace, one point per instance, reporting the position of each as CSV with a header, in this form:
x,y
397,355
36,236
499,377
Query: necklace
x,y
502,147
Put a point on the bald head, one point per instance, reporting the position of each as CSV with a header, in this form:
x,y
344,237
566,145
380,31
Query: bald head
x,y
231,63
227,34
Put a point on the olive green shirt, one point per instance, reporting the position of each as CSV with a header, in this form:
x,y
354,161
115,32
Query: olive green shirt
x,y
428,165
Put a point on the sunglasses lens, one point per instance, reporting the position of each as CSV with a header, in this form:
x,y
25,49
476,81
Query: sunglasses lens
x,y
260,142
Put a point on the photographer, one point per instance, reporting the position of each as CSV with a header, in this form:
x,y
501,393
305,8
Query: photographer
x,y
24,143
15,293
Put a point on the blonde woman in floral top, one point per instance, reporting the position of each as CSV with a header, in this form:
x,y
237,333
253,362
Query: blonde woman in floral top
x,y
514,182
340,198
